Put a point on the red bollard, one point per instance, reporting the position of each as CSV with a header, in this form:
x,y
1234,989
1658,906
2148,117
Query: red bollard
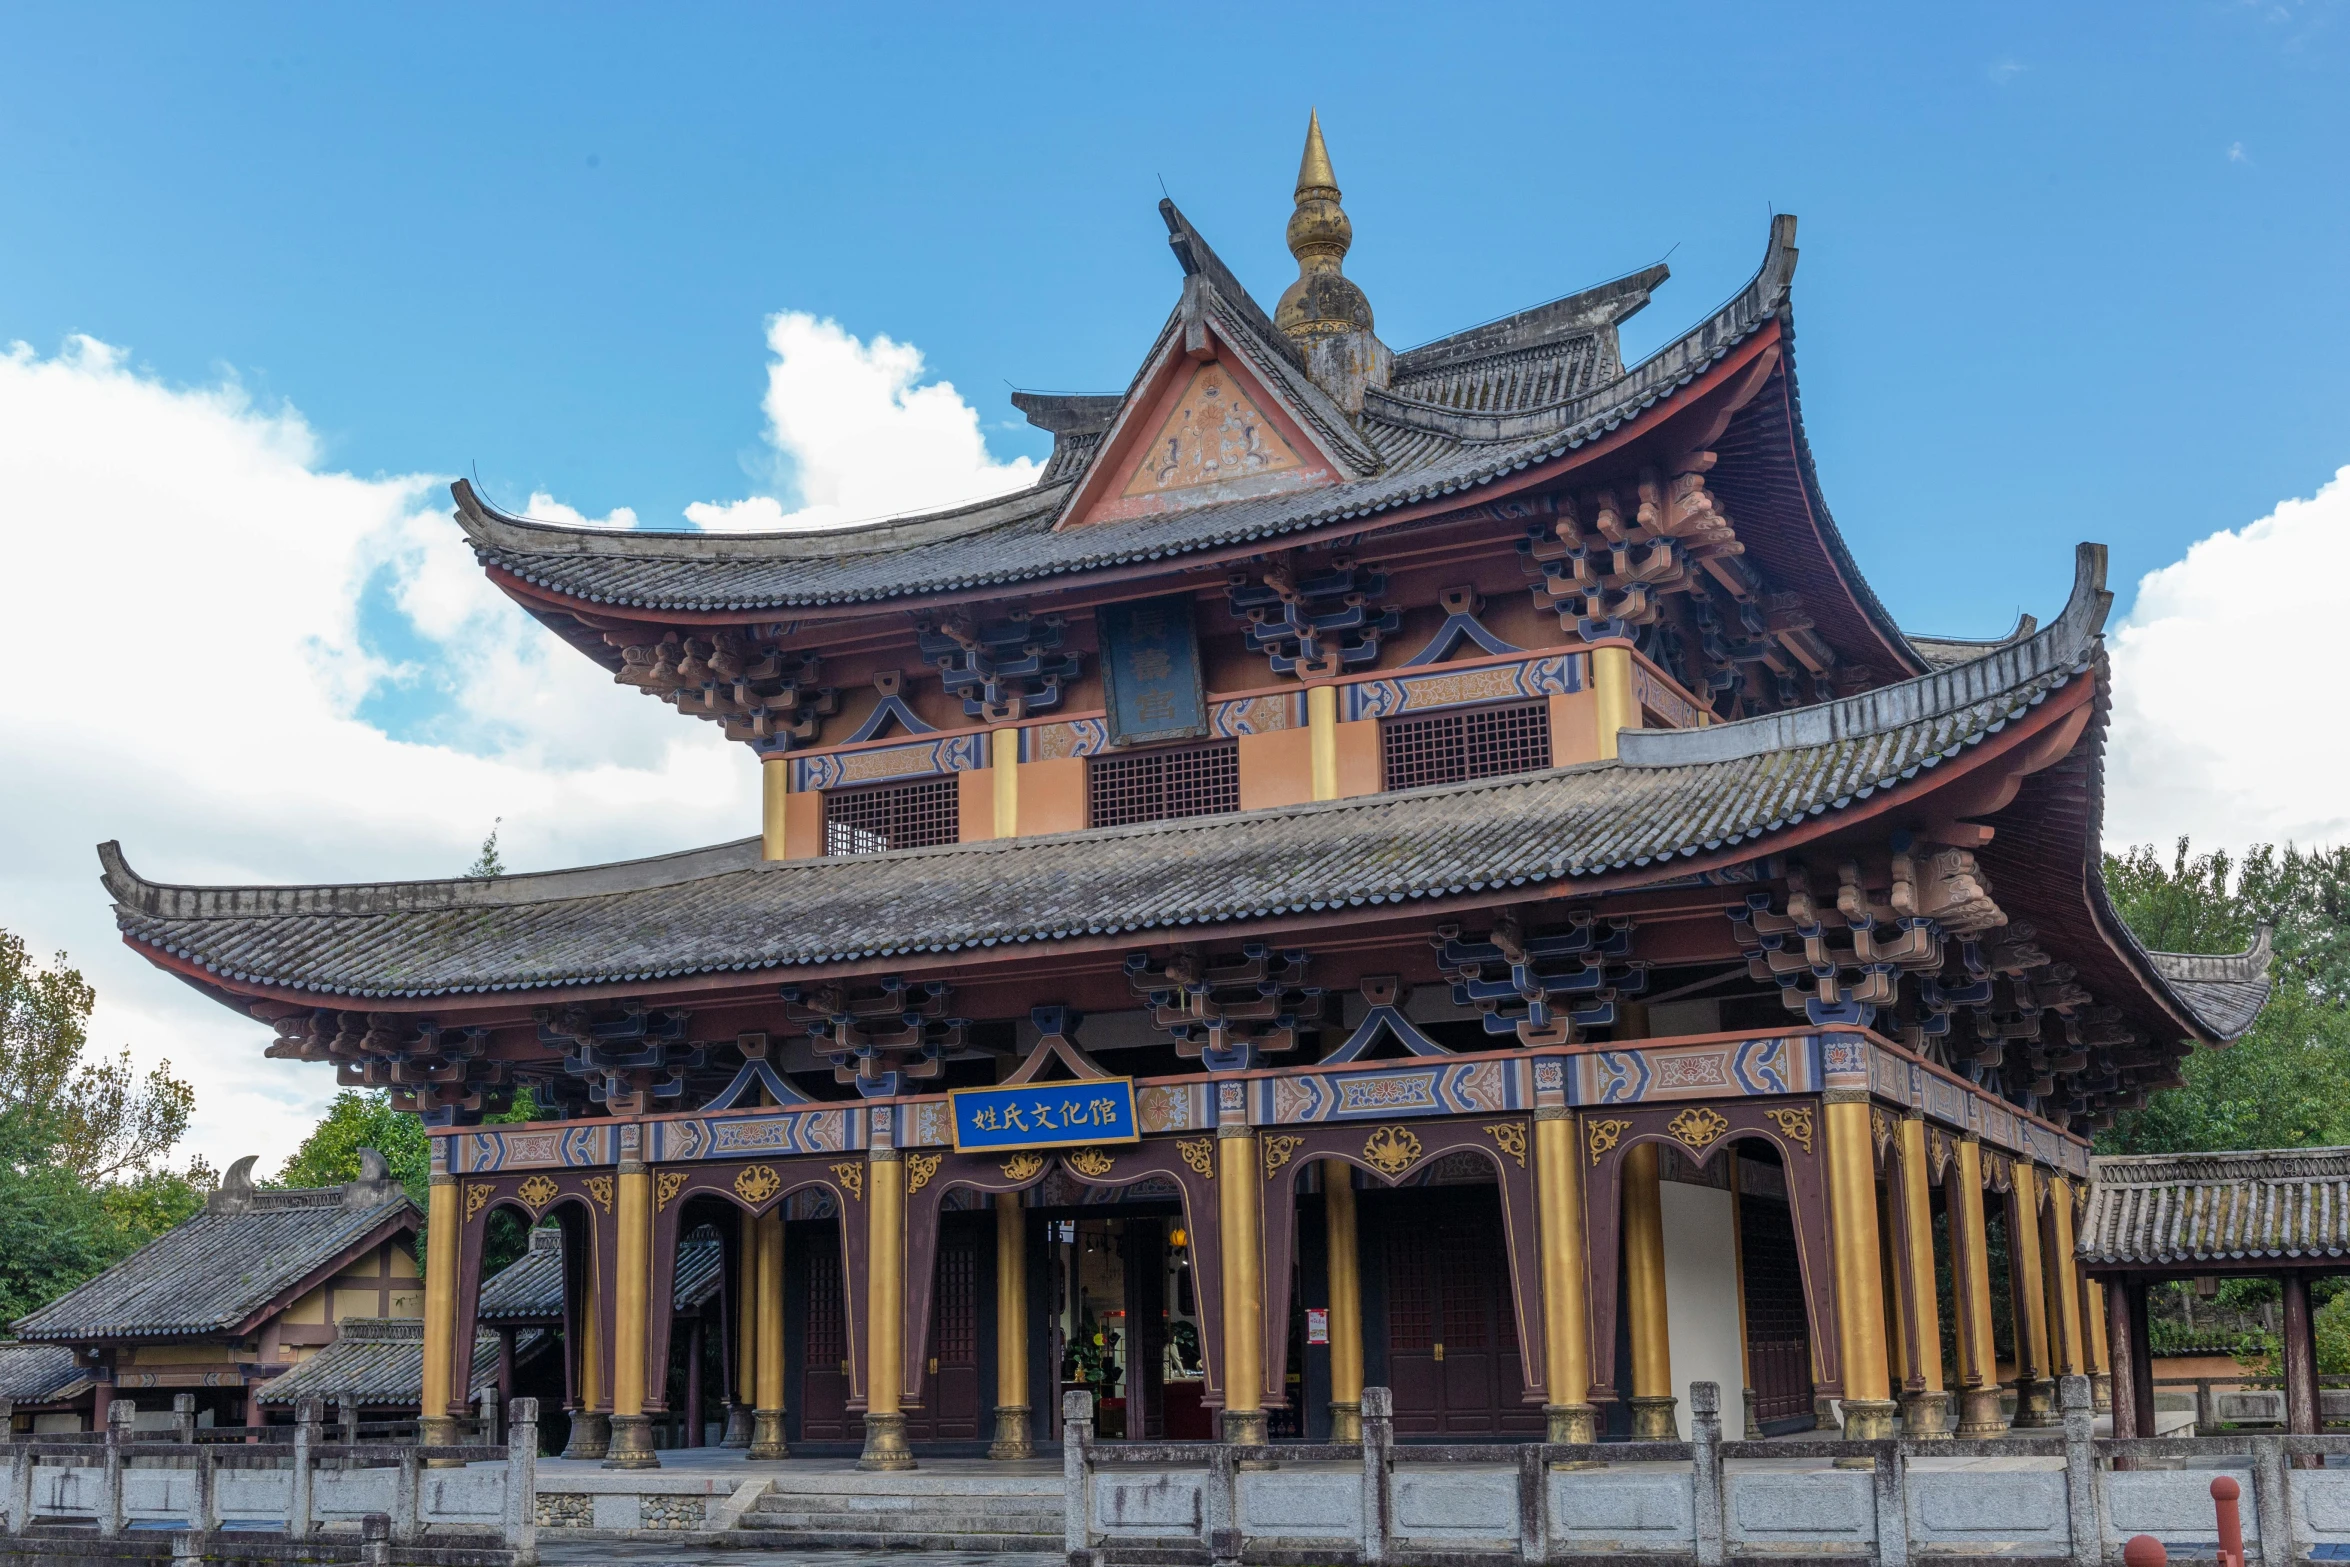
x,y
2224,1492
2144,1550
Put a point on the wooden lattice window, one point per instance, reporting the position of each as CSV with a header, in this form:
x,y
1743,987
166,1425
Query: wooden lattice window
x,y
892,816
1158,786
1474,742
826,1331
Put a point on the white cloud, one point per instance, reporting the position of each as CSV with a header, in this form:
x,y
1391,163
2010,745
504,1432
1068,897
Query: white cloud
x,y
857,435
2237,154
2006,70
2224,726
182,590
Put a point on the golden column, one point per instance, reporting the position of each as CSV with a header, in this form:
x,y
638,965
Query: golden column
x,y
591,1423
745,1396
1644,1293
1322,738
767,1327
1611,682
1003,754
2070,1356
1925,1405
1860,1298
1346,1302
1566,1321
632,1430
1979,1414
2028,1297
1240,1207
774,790
436,1427
2100,1348
885,1298
1011,1330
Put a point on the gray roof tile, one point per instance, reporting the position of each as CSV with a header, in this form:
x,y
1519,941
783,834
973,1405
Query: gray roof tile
x,y
214,1272
377,1360
2158,1210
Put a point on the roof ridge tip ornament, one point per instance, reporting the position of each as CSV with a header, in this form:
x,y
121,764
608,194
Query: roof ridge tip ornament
x,y
1323,301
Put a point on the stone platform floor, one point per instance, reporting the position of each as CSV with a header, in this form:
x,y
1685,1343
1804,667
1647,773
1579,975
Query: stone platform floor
x,y
642,1553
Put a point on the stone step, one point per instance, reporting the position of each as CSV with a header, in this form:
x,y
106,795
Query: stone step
x,y
944,1506
887,1540
923,1522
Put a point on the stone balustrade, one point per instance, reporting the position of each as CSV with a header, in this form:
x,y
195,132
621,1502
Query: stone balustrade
x,y
2066,1495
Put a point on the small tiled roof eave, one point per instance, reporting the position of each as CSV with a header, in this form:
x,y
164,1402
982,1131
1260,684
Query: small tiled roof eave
x,y
42,1374
2226,990
213,1274
376,1360
2195,1212
530,1289
1725,791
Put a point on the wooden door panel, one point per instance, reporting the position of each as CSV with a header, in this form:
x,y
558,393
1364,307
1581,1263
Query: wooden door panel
x,y
1448,1285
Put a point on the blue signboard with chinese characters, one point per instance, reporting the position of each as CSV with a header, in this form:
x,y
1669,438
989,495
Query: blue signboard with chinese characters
x,y
1150,672
1045,1115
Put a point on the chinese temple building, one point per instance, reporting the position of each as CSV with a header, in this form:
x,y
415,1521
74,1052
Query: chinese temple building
x,y
1429,869
255,1285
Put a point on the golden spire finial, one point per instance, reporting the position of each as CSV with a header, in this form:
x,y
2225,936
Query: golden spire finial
x,y
1322,301
1313,170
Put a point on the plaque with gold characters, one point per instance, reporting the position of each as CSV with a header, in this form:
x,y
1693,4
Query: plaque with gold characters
x,y
1045,1115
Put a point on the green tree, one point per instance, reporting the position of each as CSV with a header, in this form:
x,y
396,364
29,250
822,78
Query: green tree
x,y
489,863
2286,1083
358,1119
102,1119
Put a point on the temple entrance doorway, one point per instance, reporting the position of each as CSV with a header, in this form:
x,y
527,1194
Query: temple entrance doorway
x,y
816,1336
962,1315
1118,1318
1451,1328
1778,1333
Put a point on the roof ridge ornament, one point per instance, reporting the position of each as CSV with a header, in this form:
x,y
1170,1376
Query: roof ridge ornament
x,y
1325,312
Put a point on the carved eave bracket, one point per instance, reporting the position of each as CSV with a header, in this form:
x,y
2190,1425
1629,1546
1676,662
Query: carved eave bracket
x,y
1229,1013
1314,625
1547,989
882,1036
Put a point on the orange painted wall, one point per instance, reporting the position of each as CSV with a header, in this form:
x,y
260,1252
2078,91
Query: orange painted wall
x,y
803,826
1276,769
1574,728
1361,768
1052,795
975,805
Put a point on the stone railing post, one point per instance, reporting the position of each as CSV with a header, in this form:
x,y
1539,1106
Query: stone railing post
x,y
2272,1502
7,1419
1891,1473
487,1431
119,1417
187,1548
2206,1416
20,1490
1533,1506
522,1480
408,1499
207,1509
299,1511
1223,1509
1705,1452
1077,1472
1378,1471
183,1417
375,1541
347,1417
2082,1513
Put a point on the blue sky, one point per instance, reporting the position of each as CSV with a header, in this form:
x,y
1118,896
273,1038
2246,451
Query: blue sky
x,y
271,276
2068,271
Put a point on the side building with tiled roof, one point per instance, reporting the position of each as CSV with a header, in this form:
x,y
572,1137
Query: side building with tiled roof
x,y
246,1290
1381,867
